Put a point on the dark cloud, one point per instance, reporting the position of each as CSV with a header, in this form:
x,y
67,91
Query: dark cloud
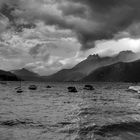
x,y
101,5
113,16
21,27
75,9
91,20
7,9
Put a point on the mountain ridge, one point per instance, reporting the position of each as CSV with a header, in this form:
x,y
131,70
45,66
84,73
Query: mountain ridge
x,y
27,75
118,72
90,64
79,71
8,76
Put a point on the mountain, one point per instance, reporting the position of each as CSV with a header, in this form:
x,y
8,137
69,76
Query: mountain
x,y
127,56
88,65
64,75
27,75
8,76
118,72
95,61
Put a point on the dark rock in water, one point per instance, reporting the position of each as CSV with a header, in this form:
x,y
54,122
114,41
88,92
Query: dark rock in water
x,y
72,89
88,87
32,87
48,86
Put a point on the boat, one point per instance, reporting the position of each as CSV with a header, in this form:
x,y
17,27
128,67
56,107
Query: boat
x,y
19,90
48,86
88,87
72,89
32,87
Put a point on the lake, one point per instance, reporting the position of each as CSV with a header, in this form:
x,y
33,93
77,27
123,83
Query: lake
x,y
109,112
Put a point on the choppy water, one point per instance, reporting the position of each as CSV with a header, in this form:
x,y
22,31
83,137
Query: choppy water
x,y
108,113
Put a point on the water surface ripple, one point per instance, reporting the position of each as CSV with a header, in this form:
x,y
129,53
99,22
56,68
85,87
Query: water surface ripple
x,y
109,112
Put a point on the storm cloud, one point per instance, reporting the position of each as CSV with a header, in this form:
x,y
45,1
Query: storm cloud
x,y
111,17
90,20
49,35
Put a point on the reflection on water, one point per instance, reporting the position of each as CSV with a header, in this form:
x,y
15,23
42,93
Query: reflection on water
x,y
109,112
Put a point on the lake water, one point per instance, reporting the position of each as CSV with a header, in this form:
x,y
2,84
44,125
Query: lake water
x,y
109,112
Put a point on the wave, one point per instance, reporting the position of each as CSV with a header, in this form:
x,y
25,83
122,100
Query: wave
x,y
21,123
118,127
121,131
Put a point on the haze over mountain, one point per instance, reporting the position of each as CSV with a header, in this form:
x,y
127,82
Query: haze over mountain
x,y
94,68
118,72
90,64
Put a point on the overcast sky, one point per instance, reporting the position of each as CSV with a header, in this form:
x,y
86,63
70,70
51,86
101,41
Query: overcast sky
x,y
48,35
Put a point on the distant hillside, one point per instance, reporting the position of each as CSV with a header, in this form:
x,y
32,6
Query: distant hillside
x,y
80,71
64,75
119,72
8,76
90,64
26,75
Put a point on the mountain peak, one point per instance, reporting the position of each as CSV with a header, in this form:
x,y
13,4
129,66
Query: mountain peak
x,y
127,56
128,52
27,75
94,56
24,72
118,72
